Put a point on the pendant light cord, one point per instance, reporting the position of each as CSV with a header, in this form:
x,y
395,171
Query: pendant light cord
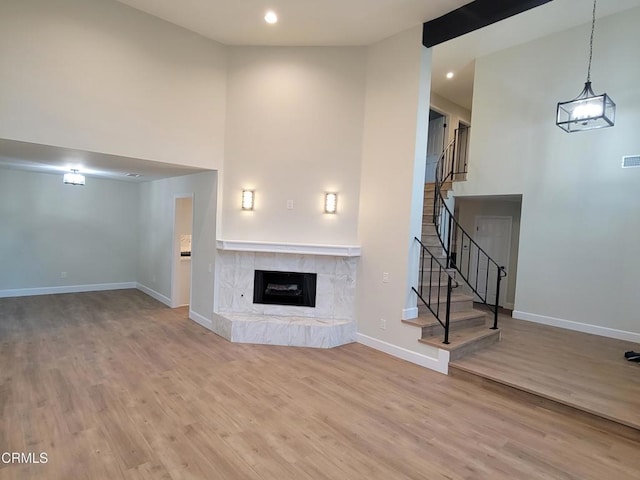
x,y
593,27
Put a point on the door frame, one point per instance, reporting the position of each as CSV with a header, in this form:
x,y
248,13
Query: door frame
x,y
175,247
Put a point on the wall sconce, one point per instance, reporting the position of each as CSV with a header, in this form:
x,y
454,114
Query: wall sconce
x,y
247,199
73,178
330,202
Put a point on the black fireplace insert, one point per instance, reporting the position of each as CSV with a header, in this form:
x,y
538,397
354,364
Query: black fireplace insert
x,y
284,288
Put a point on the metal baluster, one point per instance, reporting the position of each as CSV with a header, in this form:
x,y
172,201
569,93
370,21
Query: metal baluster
x,y
477,266
486,282
495,313
449,241
430,277
468,256
422,271
447,320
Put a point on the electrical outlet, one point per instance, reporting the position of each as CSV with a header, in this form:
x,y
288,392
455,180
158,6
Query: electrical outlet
x,y
289,204
210,268
385,277
383,324
153,278
63,274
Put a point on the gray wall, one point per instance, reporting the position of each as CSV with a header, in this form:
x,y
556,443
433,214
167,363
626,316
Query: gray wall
x,y
155,254
47,228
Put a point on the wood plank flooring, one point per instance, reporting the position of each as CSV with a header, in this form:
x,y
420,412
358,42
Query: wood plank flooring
x,y
113,385
583,371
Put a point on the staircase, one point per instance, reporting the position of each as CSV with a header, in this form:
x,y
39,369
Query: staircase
x,y
448,288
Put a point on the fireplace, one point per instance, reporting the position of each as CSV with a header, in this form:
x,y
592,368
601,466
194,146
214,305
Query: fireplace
x,y
284,288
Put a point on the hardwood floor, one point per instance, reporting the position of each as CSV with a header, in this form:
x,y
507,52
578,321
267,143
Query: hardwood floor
x,y
113,385
583,371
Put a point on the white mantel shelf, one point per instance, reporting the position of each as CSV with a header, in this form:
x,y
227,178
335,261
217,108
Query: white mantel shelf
x,y
294,248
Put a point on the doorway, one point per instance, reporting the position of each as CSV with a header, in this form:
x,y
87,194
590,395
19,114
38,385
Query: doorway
x,y
436,143
181,252
493,234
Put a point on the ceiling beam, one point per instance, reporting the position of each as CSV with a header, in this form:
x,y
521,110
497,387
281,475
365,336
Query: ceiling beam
x,y
473,16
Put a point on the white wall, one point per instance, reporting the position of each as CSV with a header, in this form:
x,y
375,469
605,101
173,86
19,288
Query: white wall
x,y
47,228
294,131
394,146
100,76
157,201
580,211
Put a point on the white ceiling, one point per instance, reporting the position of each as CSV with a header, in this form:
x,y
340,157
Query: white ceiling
x,y
301,22
362,22
48,159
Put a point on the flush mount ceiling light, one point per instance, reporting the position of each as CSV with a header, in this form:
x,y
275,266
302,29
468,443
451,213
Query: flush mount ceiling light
x,y
330,202
73,178
248,197
271,17
587,111
450,75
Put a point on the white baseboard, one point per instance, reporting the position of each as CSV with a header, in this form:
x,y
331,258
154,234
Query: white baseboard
x,y
154,294
440,364
578,327
27,292
199,319
409,313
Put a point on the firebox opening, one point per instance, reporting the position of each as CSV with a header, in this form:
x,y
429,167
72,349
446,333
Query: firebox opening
x,y
284,288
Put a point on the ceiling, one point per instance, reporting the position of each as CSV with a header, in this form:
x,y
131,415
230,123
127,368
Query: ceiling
x,y
48,159
318,22
363,22
301,22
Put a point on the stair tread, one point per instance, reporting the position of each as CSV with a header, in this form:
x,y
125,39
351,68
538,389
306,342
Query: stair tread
x,y
428,320
460,338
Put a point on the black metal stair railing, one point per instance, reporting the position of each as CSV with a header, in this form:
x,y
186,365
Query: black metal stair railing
x,y
474,265
430,287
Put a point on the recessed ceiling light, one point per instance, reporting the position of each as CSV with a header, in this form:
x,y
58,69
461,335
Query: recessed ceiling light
x,y
271,17
134,175
450,75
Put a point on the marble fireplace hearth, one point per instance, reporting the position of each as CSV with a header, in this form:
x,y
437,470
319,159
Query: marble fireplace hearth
x,y
329,324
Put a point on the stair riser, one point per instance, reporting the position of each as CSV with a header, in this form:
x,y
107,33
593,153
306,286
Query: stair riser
x,y
441,289
428,229
458,353
430,187
460,306
460,324
430,279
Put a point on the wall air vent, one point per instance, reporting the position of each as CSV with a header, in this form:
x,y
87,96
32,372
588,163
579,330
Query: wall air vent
x,y
631,161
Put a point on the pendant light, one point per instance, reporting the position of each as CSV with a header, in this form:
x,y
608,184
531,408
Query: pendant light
x,y
73,178
587,111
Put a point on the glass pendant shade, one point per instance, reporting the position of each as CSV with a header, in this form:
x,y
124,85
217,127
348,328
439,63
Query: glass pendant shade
x,y
587,111
73,178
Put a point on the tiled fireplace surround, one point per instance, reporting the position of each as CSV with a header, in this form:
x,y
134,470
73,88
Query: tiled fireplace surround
x,y
330,323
